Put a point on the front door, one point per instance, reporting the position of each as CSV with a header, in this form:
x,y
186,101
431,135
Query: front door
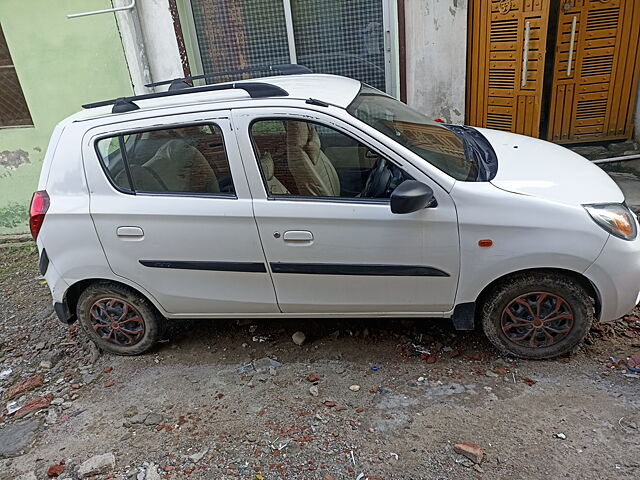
x,y
589,78
328,233
173,212
595,70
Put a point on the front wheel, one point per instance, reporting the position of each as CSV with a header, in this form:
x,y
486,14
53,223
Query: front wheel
x,y
118,319
537,315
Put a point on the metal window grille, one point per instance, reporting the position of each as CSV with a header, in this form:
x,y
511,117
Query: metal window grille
x,y
238,34
342,38
331,36
14,111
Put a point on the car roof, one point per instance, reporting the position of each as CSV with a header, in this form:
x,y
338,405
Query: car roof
x,y
332,89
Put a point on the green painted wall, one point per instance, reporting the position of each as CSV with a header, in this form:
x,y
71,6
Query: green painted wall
x,y
61,63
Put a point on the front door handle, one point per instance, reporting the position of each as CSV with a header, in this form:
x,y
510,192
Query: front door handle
x,y
130,232
297,236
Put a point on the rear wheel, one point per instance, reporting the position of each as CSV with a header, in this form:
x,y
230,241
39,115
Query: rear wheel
x,y
537,315
118,319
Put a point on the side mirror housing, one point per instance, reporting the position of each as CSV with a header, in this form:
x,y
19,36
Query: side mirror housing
x,y
411,196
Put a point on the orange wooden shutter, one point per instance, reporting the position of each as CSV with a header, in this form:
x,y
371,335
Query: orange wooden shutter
x,y
506,58
594,82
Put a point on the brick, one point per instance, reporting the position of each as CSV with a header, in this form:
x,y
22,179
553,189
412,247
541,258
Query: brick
x,y
472,451
35,404
55,470
19,388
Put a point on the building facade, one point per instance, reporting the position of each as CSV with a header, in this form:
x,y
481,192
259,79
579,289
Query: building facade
x,y
563,70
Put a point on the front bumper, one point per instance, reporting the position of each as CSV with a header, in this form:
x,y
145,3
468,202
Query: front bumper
x,y
616,276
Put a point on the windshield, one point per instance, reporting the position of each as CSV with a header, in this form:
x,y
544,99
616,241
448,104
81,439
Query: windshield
x,y
433,142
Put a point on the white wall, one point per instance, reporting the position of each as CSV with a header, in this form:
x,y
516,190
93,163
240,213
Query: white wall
x,y
149,42
160,40
436,43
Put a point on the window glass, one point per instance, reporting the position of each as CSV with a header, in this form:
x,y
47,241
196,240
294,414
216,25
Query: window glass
x,y
433,142
178,160
109,150
301,158
14,111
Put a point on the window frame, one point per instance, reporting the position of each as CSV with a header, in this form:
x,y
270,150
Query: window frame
x,y
303,198
133,192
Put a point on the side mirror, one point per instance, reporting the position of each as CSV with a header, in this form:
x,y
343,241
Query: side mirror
x,y
411,196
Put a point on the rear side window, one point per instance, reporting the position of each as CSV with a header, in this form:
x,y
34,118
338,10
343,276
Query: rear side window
x,y
189,160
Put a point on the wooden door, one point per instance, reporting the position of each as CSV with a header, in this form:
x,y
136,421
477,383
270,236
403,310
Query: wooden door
x,y
595,70
506,59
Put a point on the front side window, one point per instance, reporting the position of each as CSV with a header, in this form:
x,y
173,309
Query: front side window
x,y
177,160
305,159
433,142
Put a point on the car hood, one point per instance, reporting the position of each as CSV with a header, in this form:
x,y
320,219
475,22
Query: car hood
x,y
542,169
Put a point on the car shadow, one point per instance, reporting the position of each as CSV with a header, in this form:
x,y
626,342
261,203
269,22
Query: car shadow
x,y
369,340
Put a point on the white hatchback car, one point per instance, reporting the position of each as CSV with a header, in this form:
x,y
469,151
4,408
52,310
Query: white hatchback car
x,y
317,196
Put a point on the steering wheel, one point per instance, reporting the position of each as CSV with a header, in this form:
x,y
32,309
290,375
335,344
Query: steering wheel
x,y
378,180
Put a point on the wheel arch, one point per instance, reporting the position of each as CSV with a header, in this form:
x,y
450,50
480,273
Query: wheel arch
x,y
73,293
578,277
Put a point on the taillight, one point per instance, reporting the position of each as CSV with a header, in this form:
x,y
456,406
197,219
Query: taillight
x,y
39,207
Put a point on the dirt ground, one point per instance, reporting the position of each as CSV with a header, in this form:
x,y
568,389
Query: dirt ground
x,y
228,399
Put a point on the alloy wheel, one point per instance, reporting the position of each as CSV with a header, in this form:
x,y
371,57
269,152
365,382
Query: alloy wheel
x,y
117,321
537,320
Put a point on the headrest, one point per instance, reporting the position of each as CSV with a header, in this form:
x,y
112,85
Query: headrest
x,y
303,135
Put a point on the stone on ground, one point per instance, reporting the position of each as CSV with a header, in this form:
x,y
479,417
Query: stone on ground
x,y
97,465
17,438
298,338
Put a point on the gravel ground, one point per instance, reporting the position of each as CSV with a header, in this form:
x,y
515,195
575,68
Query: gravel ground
x,y
357,400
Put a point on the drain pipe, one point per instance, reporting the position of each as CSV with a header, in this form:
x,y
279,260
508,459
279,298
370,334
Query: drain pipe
x,y
617,159
133,43
108,10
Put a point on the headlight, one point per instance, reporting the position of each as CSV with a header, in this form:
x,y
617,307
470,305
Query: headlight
x,y
615,218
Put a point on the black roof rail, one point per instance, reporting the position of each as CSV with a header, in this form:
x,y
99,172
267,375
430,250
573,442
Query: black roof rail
x,y
282,69
254,89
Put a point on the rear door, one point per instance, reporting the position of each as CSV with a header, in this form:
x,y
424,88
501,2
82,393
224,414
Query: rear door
x,y
344,251
174,214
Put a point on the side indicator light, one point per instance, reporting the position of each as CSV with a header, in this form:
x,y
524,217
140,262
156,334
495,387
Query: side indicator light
x,y
485,243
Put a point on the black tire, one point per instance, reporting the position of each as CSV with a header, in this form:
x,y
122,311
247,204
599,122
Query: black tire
x,y
527,328
103,305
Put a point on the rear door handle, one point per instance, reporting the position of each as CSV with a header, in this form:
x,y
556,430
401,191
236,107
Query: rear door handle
x,y
130,232
297,236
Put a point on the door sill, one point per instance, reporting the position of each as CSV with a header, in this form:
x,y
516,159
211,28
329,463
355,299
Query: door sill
x,y
312,315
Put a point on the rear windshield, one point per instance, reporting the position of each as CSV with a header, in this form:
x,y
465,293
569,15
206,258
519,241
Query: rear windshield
x,y
432,141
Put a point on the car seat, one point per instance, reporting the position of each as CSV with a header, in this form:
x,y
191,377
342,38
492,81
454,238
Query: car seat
x,y
274,185
311,169
176,167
